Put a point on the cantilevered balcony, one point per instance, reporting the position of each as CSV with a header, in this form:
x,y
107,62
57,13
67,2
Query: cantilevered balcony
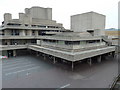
x,y
73,48
70,56
29,27
11,47
17,37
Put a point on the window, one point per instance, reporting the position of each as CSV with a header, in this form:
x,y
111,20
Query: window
x,y
33,41
51,26
41,26
82,42
2,32
72,42
41,33
26,32
33,25
51,41
33,32
14,42
12,24
26,25
15,32
93,41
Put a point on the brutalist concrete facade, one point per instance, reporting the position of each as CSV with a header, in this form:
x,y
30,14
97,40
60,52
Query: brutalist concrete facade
x,y
35,30
90,21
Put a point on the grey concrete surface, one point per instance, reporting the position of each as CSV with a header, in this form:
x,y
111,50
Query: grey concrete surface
x,y
34,72
88,21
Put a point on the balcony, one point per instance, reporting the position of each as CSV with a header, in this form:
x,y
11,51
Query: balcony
x,y
73,56
11,47
74,48
68,38
16,37
28,27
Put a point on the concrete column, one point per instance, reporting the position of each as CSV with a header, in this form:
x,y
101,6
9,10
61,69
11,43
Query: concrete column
x,y
54,61
100,40
30,51
72,66
8,42
116,56
113,54
29,33
90,61
44,56
99,59
36,33
110,53
14,53
37,53
22,32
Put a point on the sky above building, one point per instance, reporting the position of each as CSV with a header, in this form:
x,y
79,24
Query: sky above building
x,y
63,9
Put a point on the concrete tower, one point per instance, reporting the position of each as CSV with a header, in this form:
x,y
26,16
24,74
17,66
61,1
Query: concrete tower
x,y
90,21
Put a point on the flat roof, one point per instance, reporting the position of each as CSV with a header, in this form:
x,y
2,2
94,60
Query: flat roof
x,y
89,13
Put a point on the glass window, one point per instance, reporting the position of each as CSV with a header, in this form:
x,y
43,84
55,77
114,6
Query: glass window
x,y
15,32
12,24
26,25
33,32
82,42
72,42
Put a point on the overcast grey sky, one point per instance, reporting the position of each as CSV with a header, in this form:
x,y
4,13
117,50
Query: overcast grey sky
x,y
63,9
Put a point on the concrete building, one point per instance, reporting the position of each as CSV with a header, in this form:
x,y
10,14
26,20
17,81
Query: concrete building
x,y
91,21
36,21
36,31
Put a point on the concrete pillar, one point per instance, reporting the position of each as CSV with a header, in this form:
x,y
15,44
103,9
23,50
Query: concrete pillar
x,y
44,56
99,59
29,33
116,56
90,61
54,60
113,54
110,53
8,42
22,32
14,53
37,53
30,51
36,33
72,66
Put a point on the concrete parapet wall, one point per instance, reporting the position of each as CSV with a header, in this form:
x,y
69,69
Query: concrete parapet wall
x,y
70,56
72,46
12,47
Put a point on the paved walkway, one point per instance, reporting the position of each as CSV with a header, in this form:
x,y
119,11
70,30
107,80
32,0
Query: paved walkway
x,y
34,72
